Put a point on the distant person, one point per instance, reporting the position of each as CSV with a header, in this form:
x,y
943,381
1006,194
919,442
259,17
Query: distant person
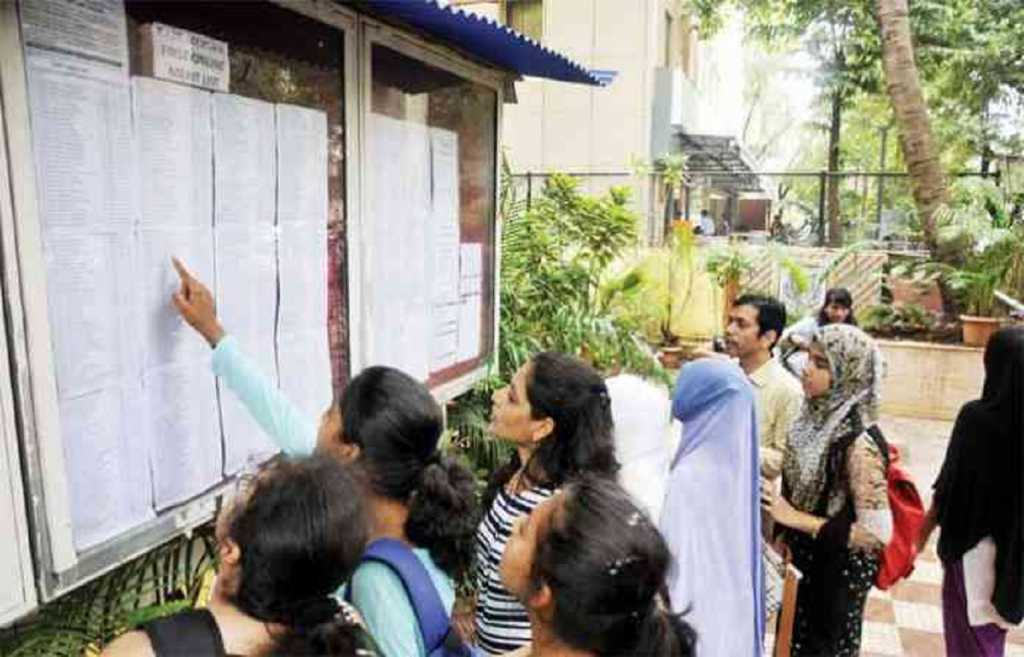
x,y
836,309
705,224
834,504
642,413
556,414
590,566
711,518
978,505
755,324
285,544
389,425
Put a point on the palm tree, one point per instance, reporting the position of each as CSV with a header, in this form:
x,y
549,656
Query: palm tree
x,y
904,87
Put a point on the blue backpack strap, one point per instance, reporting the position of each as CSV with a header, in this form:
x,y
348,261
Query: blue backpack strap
x,y
426,601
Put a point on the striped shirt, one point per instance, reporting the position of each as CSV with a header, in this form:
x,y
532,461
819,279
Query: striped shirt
x,y
502,624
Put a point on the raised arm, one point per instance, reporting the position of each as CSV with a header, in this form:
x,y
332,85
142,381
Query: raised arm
x,y
290,430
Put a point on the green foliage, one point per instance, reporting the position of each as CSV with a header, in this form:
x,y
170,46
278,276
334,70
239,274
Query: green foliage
x,y
160,582
891,321
556,294
727,265
979,250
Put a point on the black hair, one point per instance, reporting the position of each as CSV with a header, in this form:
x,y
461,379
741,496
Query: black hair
x,y
771,313
397,424
840,296
301,532
573,395
605,564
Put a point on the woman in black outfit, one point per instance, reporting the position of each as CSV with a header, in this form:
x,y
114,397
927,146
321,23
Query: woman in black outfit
x,y
978,504
286,543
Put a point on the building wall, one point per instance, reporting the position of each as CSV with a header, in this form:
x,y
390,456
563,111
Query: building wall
x,y
578,129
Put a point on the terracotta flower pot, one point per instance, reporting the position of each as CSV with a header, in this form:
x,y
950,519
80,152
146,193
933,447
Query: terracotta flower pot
x,y
978,330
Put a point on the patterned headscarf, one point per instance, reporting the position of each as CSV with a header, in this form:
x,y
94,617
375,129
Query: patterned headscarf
x,y
856,365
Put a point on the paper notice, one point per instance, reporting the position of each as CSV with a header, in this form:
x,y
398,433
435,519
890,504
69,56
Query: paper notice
x,y
444,339
470,310
443,245
245,174
166,338
302,166
471,269
174,151
90,294
398,299
94,30
108,466
81,130
246,289
305,364
183,431
303,354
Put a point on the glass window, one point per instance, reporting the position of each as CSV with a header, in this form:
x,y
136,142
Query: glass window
x,y
280,56
423,108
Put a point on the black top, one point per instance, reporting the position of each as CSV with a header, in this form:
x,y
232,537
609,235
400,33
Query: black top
x,y
188,634
980,488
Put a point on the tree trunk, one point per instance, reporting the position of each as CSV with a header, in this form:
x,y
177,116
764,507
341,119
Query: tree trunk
x,y
835,227
904,87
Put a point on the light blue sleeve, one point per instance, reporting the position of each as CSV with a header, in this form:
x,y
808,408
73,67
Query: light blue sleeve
x,y
380,597
290,430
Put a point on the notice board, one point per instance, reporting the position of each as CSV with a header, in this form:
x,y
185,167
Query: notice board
x,y
130,170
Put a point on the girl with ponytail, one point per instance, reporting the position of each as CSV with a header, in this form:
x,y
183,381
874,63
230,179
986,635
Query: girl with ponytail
x,y
557,414
286,542
388,425
590,568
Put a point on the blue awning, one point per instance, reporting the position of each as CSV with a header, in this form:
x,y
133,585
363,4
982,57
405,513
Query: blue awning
x,y
487,39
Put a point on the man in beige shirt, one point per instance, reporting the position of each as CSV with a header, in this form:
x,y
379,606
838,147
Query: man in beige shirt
x,y
755,325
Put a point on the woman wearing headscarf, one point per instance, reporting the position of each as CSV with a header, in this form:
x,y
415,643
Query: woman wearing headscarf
x,y
642,413
977,502
834,504
710,518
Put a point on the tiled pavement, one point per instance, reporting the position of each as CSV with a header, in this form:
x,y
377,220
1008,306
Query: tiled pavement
x,y
907,619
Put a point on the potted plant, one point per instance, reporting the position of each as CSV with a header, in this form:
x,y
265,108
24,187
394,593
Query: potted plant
x,y
727,267
977,289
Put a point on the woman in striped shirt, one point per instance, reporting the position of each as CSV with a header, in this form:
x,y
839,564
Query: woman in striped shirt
x,y
557,415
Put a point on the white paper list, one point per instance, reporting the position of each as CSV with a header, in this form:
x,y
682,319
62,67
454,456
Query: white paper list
x,y
93,30
246,257
81,127
81,130
302,349
183,430
398,295
108,466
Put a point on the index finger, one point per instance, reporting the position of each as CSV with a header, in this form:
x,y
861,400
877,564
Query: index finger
x,y
184,273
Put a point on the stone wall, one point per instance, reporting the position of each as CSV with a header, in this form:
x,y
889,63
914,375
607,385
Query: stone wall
x,y
930,381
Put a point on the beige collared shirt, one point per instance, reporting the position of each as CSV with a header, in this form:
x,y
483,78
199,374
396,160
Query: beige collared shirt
x,y
779,396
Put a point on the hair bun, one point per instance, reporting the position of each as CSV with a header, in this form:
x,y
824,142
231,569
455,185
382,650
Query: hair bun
x,y
313,612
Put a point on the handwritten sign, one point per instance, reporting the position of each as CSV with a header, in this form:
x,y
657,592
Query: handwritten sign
x,y
171,53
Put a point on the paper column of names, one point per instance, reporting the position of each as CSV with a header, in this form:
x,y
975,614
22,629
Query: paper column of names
x,y
81,126
246,256
174,156
302,206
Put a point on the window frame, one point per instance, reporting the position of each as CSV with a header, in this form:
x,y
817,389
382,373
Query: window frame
x,y
371,33
58,567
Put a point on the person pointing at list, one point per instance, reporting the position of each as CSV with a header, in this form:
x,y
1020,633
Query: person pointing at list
x,y
387,424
